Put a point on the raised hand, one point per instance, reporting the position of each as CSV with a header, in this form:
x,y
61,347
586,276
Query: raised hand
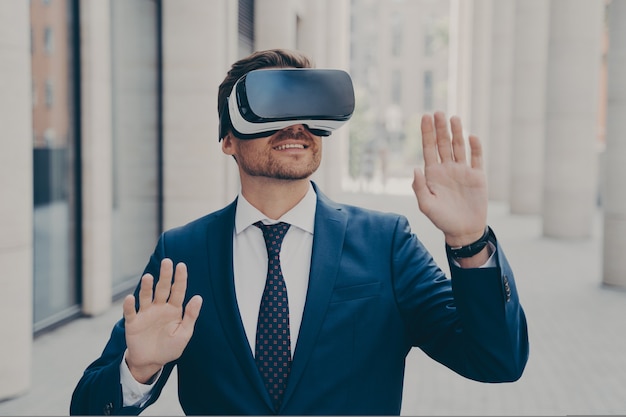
x,y
451,192
158,333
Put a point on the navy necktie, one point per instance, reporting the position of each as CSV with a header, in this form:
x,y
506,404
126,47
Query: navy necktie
x,y
273,344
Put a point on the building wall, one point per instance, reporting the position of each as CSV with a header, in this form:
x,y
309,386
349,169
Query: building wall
x,y
16,208
135,108
199,44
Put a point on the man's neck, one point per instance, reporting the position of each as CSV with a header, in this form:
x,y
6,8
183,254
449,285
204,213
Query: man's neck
x,y
274,197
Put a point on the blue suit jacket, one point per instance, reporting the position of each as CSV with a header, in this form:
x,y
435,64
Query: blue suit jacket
x,y
374,293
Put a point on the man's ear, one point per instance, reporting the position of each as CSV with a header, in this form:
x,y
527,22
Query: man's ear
x,y
228,146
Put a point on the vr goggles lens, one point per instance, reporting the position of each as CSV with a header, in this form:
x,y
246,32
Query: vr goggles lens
x,y
265,101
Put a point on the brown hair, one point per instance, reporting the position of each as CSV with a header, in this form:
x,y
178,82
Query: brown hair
x,y
279,58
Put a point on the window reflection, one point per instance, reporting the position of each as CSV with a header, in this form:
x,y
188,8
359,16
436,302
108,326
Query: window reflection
x,y
55,289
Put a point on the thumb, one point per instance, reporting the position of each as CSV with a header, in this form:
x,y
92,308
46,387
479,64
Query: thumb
x,y
192,311
420,188
129,308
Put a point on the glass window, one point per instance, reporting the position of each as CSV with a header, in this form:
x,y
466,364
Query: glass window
x,y
49,93
48,40
429,44
35,97
56,293
429,91
397,33
396,86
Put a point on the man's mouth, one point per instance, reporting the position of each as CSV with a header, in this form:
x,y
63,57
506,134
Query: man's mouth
x,y
290,146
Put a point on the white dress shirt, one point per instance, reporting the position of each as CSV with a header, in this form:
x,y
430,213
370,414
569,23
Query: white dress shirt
x,y
250,261
250,272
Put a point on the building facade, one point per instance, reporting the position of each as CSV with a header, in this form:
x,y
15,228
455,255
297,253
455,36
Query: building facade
x,y
109,122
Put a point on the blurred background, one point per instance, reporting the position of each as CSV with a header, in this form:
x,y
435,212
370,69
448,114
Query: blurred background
x,y
109,136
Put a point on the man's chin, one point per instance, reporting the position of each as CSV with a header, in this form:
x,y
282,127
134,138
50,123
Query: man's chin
x,y
290,176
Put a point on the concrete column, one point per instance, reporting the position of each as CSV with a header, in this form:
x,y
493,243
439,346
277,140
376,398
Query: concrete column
x,y
16,209
134,134
574,56
199,45
528,106
460,59
498,167
309,39
275,24
614,261
324,35
97,163
320,29
337,39
477,119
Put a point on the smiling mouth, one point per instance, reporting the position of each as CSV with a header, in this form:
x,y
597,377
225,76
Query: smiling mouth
x,y
290,146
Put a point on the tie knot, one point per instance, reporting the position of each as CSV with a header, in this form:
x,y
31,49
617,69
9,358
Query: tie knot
x,y
273,234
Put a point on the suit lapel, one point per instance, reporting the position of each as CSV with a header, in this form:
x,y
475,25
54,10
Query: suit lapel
x,y
330,228
220,259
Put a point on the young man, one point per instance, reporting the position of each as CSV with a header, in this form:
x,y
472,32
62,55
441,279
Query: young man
x,y
351,291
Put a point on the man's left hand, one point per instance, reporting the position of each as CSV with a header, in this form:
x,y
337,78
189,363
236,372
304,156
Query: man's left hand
x,y
452,191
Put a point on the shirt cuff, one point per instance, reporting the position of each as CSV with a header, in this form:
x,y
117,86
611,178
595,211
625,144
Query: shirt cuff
x,y
135,394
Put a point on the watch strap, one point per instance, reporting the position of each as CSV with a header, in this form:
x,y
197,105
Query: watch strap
x,y
470,250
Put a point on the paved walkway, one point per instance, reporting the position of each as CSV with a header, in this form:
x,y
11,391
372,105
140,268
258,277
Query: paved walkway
x,y
577,331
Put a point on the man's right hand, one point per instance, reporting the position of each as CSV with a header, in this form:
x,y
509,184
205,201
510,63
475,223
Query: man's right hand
x,y
158,333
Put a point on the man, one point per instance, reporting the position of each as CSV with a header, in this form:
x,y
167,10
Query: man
x,y
353,290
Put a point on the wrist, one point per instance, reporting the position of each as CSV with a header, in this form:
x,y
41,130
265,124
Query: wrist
x,y
477,261
144,374
456,240
468,246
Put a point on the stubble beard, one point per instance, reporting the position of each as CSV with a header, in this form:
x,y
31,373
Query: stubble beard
x,y
266,165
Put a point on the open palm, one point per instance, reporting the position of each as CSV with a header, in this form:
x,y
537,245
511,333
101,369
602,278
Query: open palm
x,y
451,192
159,332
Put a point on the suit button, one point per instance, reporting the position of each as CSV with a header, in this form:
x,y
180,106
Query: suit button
x,y
507,288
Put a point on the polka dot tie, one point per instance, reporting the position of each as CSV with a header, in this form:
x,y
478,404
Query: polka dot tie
x,y
273,344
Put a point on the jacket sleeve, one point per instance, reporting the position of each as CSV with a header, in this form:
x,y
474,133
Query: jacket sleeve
x,y
472,323
99,391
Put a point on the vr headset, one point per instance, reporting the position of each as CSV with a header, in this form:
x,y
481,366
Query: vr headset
x,y
264,101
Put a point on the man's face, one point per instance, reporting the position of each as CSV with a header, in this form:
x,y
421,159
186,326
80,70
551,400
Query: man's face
x,y
293,153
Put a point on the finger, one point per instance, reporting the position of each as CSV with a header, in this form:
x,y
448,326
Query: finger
x,y
422,193
429,143
162,290
129,308
458,142
180,285
444,147
477,152
192,311
145,291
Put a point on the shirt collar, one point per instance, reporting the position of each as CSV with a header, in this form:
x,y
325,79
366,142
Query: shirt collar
x,y
302,215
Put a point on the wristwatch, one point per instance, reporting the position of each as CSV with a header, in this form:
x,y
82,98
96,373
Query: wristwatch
x,y
470,250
